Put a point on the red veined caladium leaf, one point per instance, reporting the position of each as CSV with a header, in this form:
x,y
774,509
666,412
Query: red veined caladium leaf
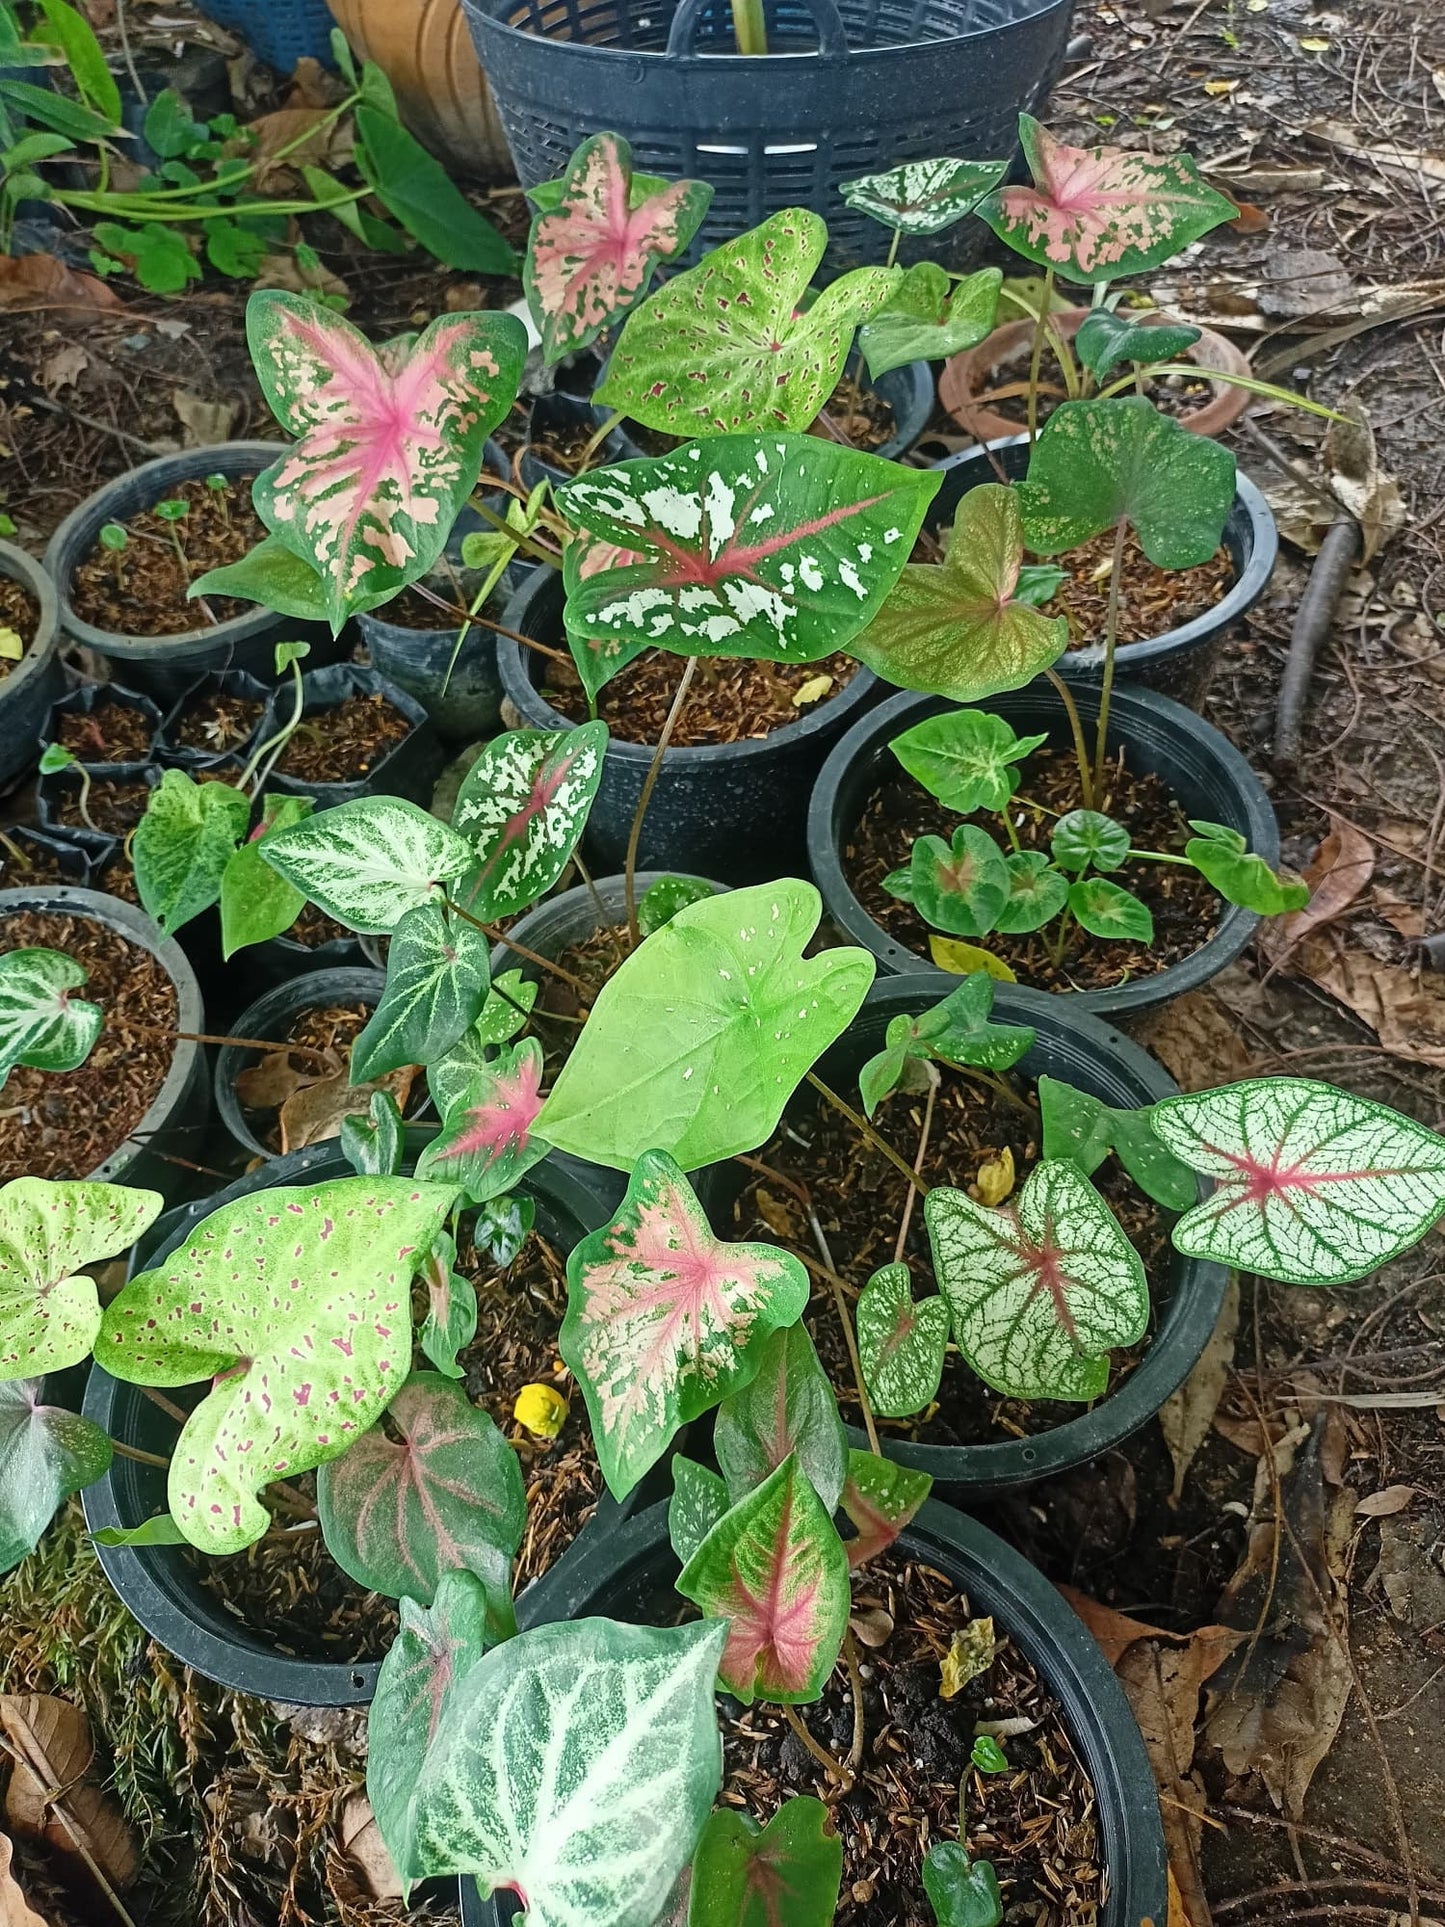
x,y
1312,1185
788,1410
389,440
591,254
780,546
880,1498
900,1343
785,1874
523,806
486,1141
664,1320
775,1568
923,197
1096,213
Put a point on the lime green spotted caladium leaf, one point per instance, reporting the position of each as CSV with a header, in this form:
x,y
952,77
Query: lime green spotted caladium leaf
x,y
729,347
957,628
1105,339
592,252
46,1453
880,1499
965,758
957,1031
923,321
1098,213
960,887
257,902
1222,858
41,1024
900,1343
503,1015
778,546
786,1872
664,1320
699,1499
697,1042
923,197
487,1140
1085,1130
1041,1293
788,1410
523,807
1311,1185
389,441
296,1302
367,863
182,845
436,984
49,1232
774,1568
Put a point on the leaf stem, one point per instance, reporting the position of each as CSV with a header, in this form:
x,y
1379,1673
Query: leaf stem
x,y
921,1154
861,1124
649,784
141,1458
520,949
167,1405
617,416
1040,330
833,1768
83,801
1111,641
1076,730
277,742
893,247
855,1682
750,26
1250,382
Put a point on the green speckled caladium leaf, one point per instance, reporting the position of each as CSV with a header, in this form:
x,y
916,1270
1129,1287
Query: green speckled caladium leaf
x,y
575,1768
269,574
592,252
1105,339
698,1041
774,1568
367,863
41,1024
1312,1186
788,1410
923,197
487,1139
956,628
257,902
900,1343
957,1031
879,1498
436,984
297,1303
1036,893
960,887
965,758
663,1319
182,845
1041,1293
46,1453
785,1874
372,1145
662,901
1097,213
729,348
49,1311
1084,1130
523,807
779,546
923,322
442,1493
1105,910
699,1499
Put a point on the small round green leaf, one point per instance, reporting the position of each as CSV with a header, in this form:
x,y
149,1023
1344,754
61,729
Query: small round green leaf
x,y
900,1343
1037,892
1088,837
1104,910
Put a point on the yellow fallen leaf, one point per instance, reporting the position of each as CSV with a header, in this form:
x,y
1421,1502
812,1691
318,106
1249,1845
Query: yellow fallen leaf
x,y
964,958
812,691
541,1409
1257,6
1315,46
970,1653
11,647
995,1178
1218,87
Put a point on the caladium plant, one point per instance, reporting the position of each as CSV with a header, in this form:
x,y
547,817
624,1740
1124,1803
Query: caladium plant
x,y
788,1410
699,1500
42,1025
49,1232
923,197
183,844
786,1872
369,862
437,980
523,806
957,1031
487,1140
900,1343
1085,1130
1106,338
46,1454
880,1498
928,318
967,758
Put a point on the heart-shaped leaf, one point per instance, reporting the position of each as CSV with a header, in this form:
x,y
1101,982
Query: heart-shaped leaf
x,y
1312,1185
960,886
957,1031
923,323
487,1141
46,1453
901,1344
786,1872
49,1311
41,1024
663,1319
523,806
182,845
271,575
367,863
699,1500
962,1892
787,1411
1087,837
880,1498
1037,892
965,758
697,1042
436,985
451,1317
1242,877
1106,911
372,1145
503,1015
1105,339
257,902
923,197
1084,1130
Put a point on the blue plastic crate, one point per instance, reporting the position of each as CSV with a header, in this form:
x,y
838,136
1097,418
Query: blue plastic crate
x,y
280,32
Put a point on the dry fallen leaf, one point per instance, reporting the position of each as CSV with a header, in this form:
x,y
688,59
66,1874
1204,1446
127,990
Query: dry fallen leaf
x,y
40,281
317,138
1187,1416
1197,1040
970,1654
1357,480
1342,867
872,1626
64,368
1407,1017
361,1842
276,1076
48,1797
15,1910
1389,1500
206,423
285,271
314,1112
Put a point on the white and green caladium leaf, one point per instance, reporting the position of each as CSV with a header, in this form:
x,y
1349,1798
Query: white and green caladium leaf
x,y
1087,839
965,758
389,442
1105,339
880,1498
41,1024
900,1343
923,323
1312,1186
697,1042
523,807
502,1225
436,984
1084,1130
367,863
49,1311
960,887
774,1568
788,1871
1037,892
269,574
776,546
699,1499
503,1015
1098,463
487,1140
46,1453
957,1031
257,902
1097,213
663,1319
956,628
575,1768
297,1303
372,1145
923,197
1040,1294
1105,910
729,347
182,845
1222,858
788,1410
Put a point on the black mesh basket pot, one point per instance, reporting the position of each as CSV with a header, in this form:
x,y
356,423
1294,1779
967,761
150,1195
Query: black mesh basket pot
x,y
849,87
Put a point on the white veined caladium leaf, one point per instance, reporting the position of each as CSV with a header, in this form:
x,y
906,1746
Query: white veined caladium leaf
x,y
1042,1293
487,1140
41,1024
575,1768
879,1498
730,347
389,441
503,1015
592,252
779,546
49,1311
923,197
436,985
523,807
663,1319
1312,1185
900,1344
367,863
924,321
785,1874
699,1499
46,1453
788,1410
297,1303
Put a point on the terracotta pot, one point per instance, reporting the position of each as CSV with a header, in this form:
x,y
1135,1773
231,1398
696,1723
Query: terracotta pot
x,y
968,375
425,51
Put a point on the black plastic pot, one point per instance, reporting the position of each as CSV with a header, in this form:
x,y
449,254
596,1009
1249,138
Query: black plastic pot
x,y
910,391
60,783
560,412
85,698
74,859
27,693
1205,773
227,682
463,698
271,1016
409,770
731,810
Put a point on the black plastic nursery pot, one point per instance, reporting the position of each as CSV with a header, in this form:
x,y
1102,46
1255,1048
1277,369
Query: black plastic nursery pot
x,y
271,1017
566,414
1204,772
74,861
237,683
37,680
52,790
409,768
90,696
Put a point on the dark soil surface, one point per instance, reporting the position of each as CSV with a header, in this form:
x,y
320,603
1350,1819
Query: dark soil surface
x,y
109,732
24,862
564,444
18,611
313,928
217,721
652,441
115,803
856,415
733,699
1151,600
559,1011
140,590
344,743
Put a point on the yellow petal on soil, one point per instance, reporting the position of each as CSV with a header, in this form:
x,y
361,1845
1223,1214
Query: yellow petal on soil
x,y
1218,87
970,1654
812,691
995,1180
1257,6
1315,46
964,958
541,1410
11,647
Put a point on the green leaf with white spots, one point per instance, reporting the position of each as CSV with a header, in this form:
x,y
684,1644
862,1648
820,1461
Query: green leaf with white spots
x,y
1105,910
46,1453
504,1015
49,1232
880,1498
965,758
956,1031
699,1499
923,322
923,197
523,807
372,1144
1088,838
960,887
41,1024
787,1410
487,1140
662,901
900,1343
436,985
183,844
1037,892
1084,1130
1246,879
1105,339
367,863
501,1227
786,1872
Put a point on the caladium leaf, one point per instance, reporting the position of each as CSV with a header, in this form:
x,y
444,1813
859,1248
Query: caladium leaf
x,y
591,255
434,1490
297,1303
922,322
699,1499
960,886
1042,1292
1105,339
956,629
662,901
1098,213
786,1872
1107,911
1220,856
729,347
1312,1185
1087,838
183,844
487,1139
778,546
367,863
880,1498
923,197
272,575
1037,892
965,758
389,442
257,902
49,1311
503,1015
436,984
900,1344
41,1024
372,1144
789,1410
962,1892
663,1319
774,1568
502,1225
451,1315
46,1453
1084,1130
759,1014
957,1031
523,807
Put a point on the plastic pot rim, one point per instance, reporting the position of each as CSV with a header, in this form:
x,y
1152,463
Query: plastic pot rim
x,y
18,565
342,983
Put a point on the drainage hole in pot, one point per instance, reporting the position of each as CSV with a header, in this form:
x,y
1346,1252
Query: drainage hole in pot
x,y
345,742
140,587
732,699
19,619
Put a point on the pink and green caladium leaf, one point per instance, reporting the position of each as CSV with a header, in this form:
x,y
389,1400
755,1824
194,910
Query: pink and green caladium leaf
x,y
41,1024
956,628
923,197
1311,1185
697,1042
297,1303
966,758
46,1453
49,1232
257,902
451,1316
729,347
271,575
436,984
788,1410
663,1319
785,1874
1084,1130
960,887
778,546
1037,892
699,1499
591,254
924,322
523,807
880,1499
435,1489
183,844
487,1140
503,1015
774,1568
1098,213
900,1343
1041,1293
389,441
957,1031
367,863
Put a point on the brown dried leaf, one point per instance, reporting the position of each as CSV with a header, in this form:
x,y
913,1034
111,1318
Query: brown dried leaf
x,y
1370,494
317,143
15,1910
1342,867
272,1079
285,271
315,1111
64,368
41,281
1407,1017
1381,1505
872,1626
48,1797
206,423
1187,1416
365,1850
1197,1041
